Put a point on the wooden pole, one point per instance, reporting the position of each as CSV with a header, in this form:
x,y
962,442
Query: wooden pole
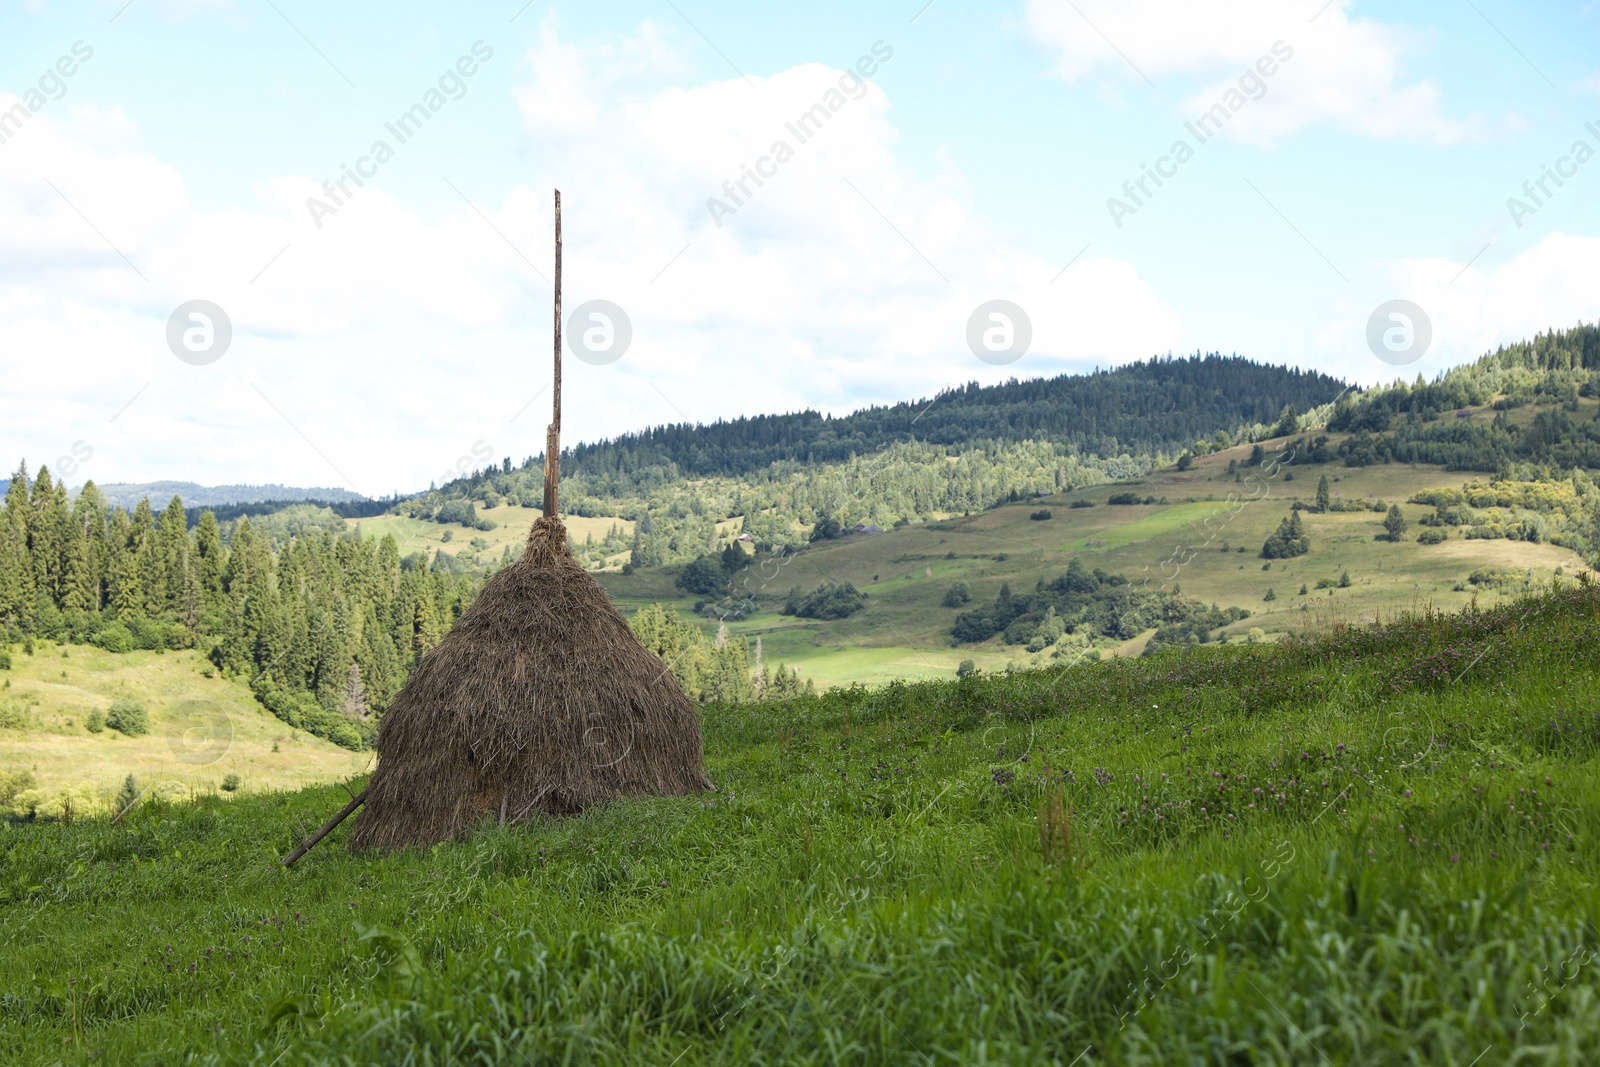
x,y
552,444
311,842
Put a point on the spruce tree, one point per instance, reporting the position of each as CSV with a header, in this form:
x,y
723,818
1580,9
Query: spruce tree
x,y
1394,524
145,564
89,512
172,540
43,531
16,566
209,562
125,591
1324,501
77,580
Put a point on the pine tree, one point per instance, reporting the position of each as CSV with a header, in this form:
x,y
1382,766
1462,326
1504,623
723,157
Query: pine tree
x,y
43,531
1394,524
77,580
1288,540
380,665
89,512
16,567
209,562
144,562
1288,423
124,591
172,557
1323,499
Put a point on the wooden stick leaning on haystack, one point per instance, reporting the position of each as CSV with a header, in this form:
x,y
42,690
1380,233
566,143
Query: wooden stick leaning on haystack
x,y
540,699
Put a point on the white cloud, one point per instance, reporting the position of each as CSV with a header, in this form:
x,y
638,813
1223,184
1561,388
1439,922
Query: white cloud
x,y
1474,309
392,341
1344,71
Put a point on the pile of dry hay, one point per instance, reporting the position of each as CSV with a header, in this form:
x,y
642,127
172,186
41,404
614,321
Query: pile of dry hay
x,y
539,700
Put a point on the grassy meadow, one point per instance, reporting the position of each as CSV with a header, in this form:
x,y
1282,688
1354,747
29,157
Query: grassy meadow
x,y
200,730
1379,846
1190,542
512,524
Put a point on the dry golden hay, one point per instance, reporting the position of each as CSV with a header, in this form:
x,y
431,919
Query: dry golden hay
x,y
540,700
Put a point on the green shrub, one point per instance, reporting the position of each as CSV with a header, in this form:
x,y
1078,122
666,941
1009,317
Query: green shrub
x,y
827,601
12,784
12,716
97,722
302,710
115,638
128,718
5,659
230,783
956,595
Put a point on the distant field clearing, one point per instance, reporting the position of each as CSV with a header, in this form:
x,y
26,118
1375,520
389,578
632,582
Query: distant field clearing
x,y
201,729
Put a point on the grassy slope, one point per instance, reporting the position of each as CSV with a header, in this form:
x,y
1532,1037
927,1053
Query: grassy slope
x,y
511,530
200,728
905,631
1381,849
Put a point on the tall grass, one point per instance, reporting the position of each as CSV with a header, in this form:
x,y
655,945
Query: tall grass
x,y
1373,846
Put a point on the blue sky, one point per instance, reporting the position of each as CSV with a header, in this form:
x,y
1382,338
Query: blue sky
x,y
378,339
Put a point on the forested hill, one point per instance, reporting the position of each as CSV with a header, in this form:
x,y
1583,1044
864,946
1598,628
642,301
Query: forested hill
x,y
1156,405
1408,423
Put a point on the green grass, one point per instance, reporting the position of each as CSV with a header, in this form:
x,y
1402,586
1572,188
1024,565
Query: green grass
x,y
1379,847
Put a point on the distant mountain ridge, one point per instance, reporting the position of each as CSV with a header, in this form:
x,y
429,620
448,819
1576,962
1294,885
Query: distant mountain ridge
x,y
1160,404
128,494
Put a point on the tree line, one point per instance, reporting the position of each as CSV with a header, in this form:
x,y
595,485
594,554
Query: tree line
x,y
325,626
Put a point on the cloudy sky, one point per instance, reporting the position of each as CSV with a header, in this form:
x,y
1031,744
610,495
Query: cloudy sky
x,y
157,152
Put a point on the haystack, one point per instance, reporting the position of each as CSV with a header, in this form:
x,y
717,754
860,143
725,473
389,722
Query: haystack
x,y
540,700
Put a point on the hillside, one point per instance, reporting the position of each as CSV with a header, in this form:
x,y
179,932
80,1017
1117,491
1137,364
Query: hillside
x,y
1019,436
1147,406
1189,539
1378,847
200,730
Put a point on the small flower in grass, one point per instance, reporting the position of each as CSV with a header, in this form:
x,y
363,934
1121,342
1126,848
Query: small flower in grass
x,y
663,883
1455,859
1408,792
